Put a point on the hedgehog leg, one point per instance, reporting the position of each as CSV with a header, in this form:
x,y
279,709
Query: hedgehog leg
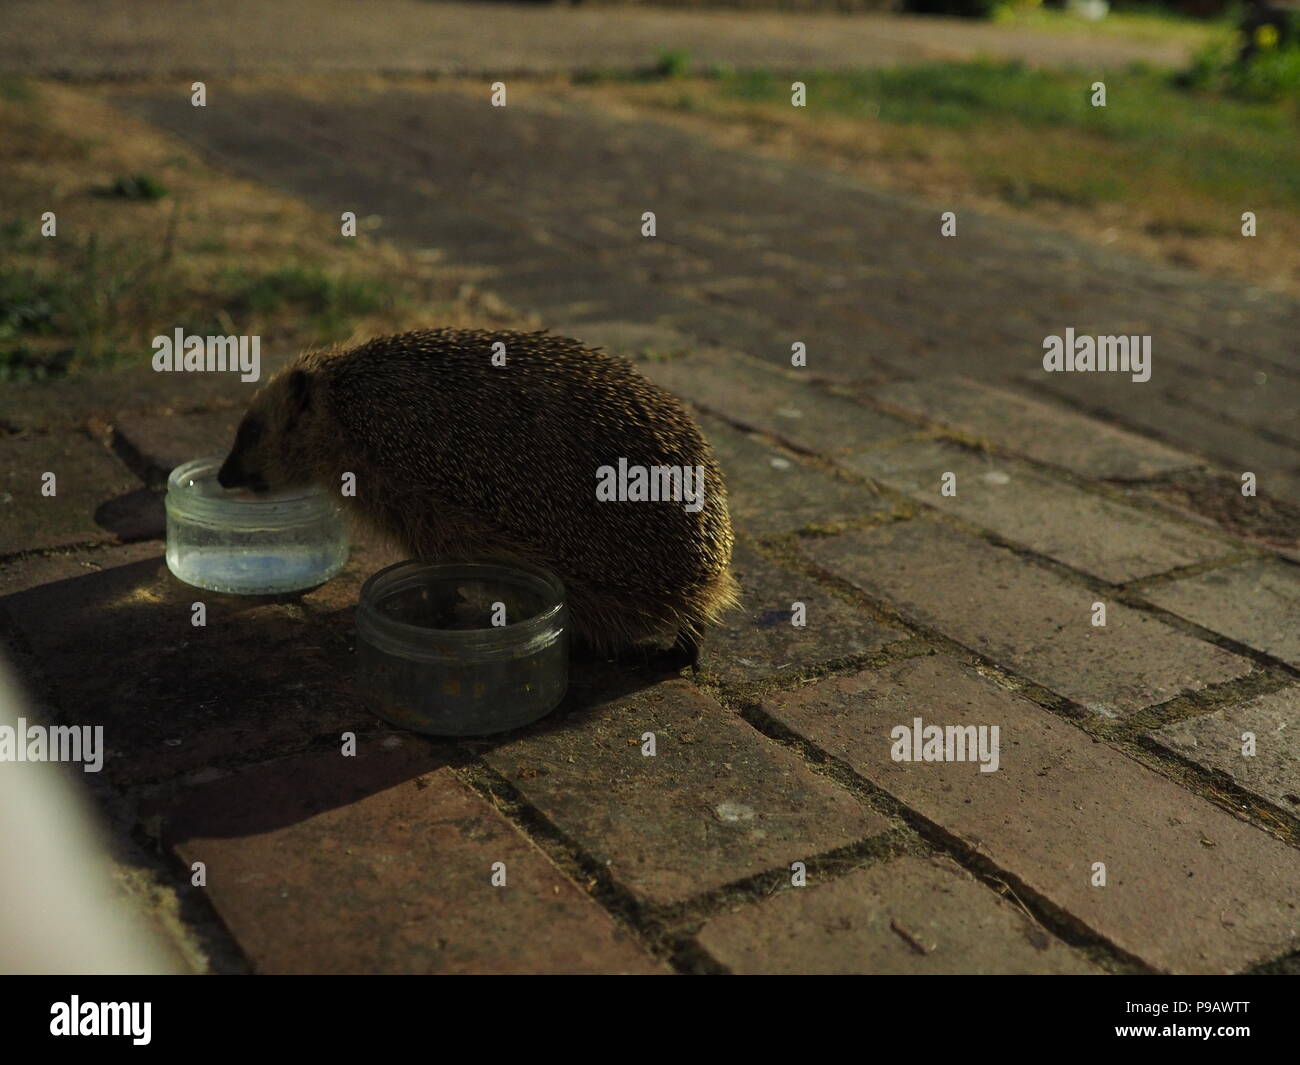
x,y
684,652
637,656
688,641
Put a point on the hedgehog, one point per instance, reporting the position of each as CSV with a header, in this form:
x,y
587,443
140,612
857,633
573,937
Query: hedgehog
x,y
465,450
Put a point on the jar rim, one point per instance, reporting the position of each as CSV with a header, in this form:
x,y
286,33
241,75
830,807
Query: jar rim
x,y
274,510
400,576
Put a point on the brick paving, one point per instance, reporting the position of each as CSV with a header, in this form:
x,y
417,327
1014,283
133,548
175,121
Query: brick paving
x,y
1116,741
1043,432
773,491
717,803
1255,744
1075,527
1255,603
327,864
760,640
1059,803
1038,622
908,916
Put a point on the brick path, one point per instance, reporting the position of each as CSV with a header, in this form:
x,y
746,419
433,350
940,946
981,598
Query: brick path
x,y
85,39
1120,744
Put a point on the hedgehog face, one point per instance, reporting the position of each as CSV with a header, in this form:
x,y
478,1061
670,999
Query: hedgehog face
x,y
272,445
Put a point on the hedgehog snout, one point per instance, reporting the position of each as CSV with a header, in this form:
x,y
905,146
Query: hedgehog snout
x,y
233,475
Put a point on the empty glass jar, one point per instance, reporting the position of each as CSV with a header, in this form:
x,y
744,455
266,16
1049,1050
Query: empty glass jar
x,y
462,649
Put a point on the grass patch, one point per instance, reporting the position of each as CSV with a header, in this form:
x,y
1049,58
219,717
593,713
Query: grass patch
x,y
673,63
1149,23
1150,130
1269,73
65,301
1163,167
330,301
15,89
960,95
135,187
175,243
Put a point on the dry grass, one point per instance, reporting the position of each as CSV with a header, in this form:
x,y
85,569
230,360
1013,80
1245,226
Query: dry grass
x,y
213,253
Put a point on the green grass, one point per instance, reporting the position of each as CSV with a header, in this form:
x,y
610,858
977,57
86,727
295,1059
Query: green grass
x,y
28,308
668,64
135,187
329,301
15,89
76,304
1134,22
150,239
68,303
937,94
672,63
1222,148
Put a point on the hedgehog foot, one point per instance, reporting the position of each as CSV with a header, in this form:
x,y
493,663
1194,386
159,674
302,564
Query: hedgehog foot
x,y
688,645
684,652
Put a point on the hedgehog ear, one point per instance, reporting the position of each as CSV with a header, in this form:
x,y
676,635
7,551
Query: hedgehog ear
x,y
298,385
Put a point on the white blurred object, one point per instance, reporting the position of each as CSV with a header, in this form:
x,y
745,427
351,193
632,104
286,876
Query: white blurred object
x,y
61,911
1092,10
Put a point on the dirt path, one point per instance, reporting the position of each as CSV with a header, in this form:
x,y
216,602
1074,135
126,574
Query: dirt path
x,y
189,37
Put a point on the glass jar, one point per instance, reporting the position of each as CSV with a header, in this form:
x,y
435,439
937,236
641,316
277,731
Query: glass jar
x,y
248,543
462,649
